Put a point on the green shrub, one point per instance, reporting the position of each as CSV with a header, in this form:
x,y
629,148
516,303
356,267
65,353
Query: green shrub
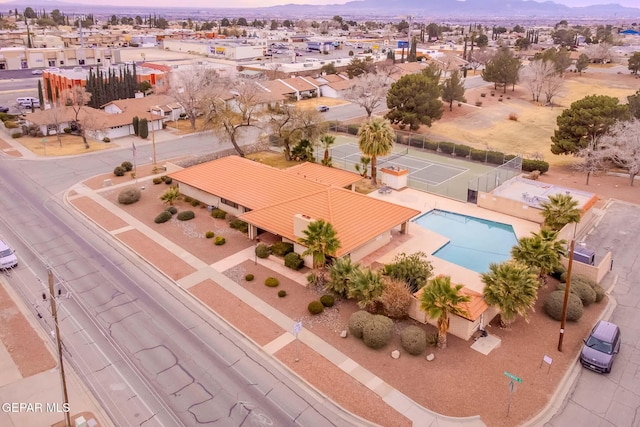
x,y
432,339
293,261
557,272
157,180
172,210
16,135
271,282
143,128
530,165
357,322
446,147
164,216
585,292
281,248
218,213
249,277
219,241
129,196
195,203
555,300
377,331
165,177
600,292
186,215
353,129
282,293
239,225
327,300
119,171
67,130
168,180
315,307
262,251
209,234
106,139
127,166
414,340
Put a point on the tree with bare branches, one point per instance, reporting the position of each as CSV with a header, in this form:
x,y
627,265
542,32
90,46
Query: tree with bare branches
x,y
369,91
291,124
187,86
480,58
621,144
592,160
77,99
535,75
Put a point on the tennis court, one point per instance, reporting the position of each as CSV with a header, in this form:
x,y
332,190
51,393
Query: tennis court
x,y
420,170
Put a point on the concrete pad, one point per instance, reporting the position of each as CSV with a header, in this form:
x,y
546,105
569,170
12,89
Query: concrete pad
x,y
194,278
485,344
279,343
9,372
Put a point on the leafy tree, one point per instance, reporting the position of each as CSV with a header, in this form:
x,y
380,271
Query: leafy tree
x,y
622,145
560,210
482,40
412,56
321,241
440,299
341,271
634,104
523,43
225,22
536,253
143,128
359,66
274,25
453,89
375,139
582,63
29,13
503,69
585,121
415,270
414,100
634,63
518,29
402,26
242,22
366,286
511,287
40,95
329,69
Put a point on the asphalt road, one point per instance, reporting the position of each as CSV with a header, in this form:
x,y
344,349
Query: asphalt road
x,y
150,355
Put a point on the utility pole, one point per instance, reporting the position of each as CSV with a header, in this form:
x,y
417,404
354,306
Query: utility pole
x,y
563,318
54,313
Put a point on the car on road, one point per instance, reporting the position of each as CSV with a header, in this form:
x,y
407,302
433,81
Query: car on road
x,y
36,72
4,109
600,348
322,108
8,257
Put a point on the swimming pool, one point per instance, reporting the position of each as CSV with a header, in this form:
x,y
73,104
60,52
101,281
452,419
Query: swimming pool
x,y
474,243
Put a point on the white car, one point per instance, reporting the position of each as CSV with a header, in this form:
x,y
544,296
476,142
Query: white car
x,y
36,72
8,257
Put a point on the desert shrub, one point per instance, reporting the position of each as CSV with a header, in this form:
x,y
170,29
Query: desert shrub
x,y
195,203
165,177
583,290
282,293
168,180
483,94
414,340
563,277
219,241
327,300
127,166
446,147
478,103
357,322
239,225
271,282
377,331
218,213
530,165
262,251
396,299
555,300
16,135
106,139
315,307
513,117
119,171
157,180
249,277
209,234
413,269
281,248
432,339
129,196
185,215
164,216
557,272
172,210
353,129
67,130
600,292
533,175
293,261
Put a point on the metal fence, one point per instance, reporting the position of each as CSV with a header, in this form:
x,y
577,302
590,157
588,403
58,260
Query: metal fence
x,y
492,179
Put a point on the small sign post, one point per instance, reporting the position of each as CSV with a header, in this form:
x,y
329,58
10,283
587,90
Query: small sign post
x,y
297,327
548,360
512,387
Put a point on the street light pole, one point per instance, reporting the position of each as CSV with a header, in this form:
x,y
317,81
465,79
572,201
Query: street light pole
x,y
54,314
563,318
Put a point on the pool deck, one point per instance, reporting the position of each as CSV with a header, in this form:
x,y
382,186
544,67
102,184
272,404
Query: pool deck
x,y
429,241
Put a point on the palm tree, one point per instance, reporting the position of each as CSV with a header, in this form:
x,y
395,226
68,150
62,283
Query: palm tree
x,y
327,141
320,241
375,139
366,286
363,166
551,236
513,288
538,254
440,299
340,272
559,211
170,195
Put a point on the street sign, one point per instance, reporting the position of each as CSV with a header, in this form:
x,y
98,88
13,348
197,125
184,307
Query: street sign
x,y
513,377
297,327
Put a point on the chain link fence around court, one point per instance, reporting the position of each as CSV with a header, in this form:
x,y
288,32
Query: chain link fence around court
x,y
492,179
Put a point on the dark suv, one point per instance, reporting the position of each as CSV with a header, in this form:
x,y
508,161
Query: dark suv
x,y
601,347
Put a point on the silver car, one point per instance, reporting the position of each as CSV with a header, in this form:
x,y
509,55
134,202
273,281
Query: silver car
x,y
601,347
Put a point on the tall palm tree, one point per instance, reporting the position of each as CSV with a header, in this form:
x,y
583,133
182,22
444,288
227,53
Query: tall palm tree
x,y
551,236
538,254
513,288
327,141
375,139
340,273
439,300
560,210
366,286
320,240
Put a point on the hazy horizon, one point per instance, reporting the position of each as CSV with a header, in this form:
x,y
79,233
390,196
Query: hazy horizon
x,y
238,4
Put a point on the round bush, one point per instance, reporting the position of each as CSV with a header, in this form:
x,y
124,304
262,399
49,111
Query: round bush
x,y
553,306
119,171
377,331
129,196
293,260
185,215
584,291
282,248
282,293
168,180
271,282
106,139
172,210
218,213
315,307
127,166
357,322
413,340
262,251
219,241
327,300
600,292
248,277
164,216
157,180
209,234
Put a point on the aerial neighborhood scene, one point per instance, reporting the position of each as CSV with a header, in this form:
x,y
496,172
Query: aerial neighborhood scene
x,y
352,213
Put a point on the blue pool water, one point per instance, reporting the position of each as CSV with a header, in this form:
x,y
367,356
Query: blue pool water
x,y
474,243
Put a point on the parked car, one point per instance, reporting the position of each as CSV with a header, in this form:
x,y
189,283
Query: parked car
x,y
8,257
322,108
36,72
4,109
601,347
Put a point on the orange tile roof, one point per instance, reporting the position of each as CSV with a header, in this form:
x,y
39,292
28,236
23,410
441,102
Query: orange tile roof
x,y
324,174
275,196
